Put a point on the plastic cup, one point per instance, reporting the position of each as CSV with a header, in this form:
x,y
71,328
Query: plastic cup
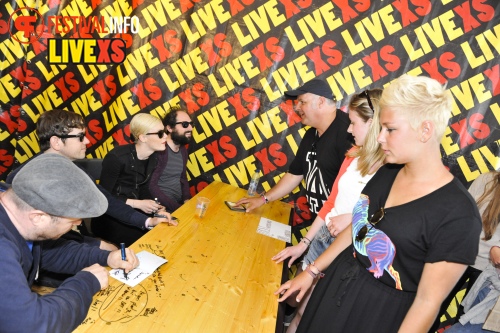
x,y
201,206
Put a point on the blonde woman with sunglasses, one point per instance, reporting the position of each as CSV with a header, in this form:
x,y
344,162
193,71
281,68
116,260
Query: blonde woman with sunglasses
x,y
415,228
126,172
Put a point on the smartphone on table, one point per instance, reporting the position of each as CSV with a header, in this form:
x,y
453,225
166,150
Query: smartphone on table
x,y
237,208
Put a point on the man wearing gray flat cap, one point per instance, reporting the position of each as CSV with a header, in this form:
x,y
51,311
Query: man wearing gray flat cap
x,y
47,197
321,150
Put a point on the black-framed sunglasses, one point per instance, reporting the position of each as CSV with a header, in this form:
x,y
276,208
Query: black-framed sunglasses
x,y
160,133
367,96
185,124
80,136
376,218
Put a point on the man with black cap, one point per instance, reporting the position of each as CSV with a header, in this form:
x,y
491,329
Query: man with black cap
x,y
46,199
321,150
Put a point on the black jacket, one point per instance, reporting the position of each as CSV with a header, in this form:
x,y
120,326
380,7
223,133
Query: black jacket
x,y
123,176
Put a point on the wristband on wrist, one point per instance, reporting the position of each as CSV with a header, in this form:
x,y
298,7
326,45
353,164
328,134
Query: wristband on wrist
x,y
308,270
306,241
320,274
263,196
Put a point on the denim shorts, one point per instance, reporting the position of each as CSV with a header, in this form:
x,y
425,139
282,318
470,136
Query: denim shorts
x,y
319,244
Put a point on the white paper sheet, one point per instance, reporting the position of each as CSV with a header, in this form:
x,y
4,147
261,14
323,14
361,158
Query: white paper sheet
x,y
148,263
275,229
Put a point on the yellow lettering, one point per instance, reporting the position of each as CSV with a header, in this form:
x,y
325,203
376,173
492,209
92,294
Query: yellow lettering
x,y
171,85
448,143
7,88
449,25
89,50
390,23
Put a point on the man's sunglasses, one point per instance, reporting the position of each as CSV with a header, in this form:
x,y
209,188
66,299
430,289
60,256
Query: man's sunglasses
x,y
367,96
80,136
376,217
185,124
160,133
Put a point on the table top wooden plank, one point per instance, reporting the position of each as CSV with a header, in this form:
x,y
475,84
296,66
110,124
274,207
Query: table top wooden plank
x,y
219,276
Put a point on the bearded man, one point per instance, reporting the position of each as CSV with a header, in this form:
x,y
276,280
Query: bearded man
x,y
169,182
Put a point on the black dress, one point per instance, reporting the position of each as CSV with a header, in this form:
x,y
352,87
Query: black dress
x,y
371,285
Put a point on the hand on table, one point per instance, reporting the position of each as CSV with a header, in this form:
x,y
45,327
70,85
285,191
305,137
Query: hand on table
x,y
100,273
166,219
293,252
250,203
301,283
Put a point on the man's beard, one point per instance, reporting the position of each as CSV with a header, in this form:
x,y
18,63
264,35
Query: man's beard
x,y
179,139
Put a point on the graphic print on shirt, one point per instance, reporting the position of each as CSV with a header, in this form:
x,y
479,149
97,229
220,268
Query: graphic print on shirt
x,y
376,245
316,190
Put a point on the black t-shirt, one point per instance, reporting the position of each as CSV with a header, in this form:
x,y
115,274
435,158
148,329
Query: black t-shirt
x,y
443,225
319,159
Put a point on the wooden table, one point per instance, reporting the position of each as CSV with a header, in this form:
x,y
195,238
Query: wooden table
x,y
219,276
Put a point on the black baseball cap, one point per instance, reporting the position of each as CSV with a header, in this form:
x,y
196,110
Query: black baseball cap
x,y
315,86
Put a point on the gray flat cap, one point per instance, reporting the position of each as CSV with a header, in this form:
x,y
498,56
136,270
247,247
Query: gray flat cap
x,y
53,184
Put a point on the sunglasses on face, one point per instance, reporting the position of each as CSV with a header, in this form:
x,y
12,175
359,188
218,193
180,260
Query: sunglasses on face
x,y
185,124
367,96
160,133
80,136
376,217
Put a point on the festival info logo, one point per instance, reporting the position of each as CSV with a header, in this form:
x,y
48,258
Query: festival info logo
x,y
74,43
22,25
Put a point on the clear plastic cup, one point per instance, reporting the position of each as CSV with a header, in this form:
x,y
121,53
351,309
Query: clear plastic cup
x,y
202,206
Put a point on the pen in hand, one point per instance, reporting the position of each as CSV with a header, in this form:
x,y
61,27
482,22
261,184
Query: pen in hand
x,y
124,258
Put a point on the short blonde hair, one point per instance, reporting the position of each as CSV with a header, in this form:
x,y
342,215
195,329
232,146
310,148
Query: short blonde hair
x,y
419,98
142,123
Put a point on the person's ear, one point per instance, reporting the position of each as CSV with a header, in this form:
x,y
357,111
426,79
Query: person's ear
x,y
55,143
321,101
38,218
426,130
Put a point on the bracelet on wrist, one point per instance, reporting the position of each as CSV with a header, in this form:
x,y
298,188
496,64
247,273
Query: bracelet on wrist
x,y
306,241
320,274
308,270
263,196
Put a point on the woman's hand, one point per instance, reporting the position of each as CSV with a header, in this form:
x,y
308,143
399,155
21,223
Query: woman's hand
x,y
146,205
339,223
293,252
301,283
